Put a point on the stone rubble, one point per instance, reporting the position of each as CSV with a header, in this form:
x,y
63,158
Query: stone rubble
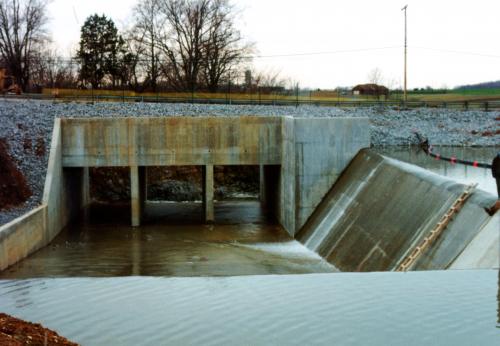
x,y
27,124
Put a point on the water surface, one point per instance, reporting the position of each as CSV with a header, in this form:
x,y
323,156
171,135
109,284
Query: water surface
x,y
415,308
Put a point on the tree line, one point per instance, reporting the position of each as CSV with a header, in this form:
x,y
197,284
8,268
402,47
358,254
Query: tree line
x,y
179,45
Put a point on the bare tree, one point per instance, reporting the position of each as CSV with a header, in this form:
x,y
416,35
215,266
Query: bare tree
x,y
149,25
223,48
22,32
49,69
375,76
134,59
183,43
270,79
201,44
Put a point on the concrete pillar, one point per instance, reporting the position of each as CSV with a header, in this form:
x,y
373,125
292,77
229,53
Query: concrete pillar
x,y
137,186
86,187
262,186
86,193
208,193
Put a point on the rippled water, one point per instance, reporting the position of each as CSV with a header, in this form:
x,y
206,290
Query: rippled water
x,y
461,173
417,308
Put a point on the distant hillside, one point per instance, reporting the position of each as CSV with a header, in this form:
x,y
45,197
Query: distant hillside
x,y
485,85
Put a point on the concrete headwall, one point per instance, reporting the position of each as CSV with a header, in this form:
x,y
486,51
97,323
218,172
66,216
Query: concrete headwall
x,y
311,152
165,141
380,209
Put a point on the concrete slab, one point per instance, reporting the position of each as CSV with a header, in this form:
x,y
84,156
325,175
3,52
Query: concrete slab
x,y
483,252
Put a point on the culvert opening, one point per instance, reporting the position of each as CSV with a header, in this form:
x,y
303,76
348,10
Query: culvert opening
x,y
174,184
178,194
109,192
174,194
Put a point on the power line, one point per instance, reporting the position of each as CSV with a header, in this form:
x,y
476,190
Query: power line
x,y
323,53
305,54
457,52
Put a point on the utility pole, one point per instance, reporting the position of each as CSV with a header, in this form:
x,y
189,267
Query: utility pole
x,y
406,45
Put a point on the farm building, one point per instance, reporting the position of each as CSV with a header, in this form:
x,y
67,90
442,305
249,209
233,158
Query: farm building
x,y
370,89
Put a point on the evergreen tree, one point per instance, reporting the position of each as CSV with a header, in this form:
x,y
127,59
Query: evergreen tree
x,y
101,52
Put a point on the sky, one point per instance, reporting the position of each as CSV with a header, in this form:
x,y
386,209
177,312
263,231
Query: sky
x,y
329,43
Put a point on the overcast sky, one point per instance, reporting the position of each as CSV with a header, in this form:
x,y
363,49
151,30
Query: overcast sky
x,y
450,42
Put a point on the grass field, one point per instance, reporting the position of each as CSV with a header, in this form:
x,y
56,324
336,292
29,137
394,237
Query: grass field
x,y
457,95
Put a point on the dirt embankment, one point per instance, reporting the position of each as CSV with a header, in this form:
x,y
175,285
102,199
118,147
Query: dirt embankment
x,y
16,332
14,189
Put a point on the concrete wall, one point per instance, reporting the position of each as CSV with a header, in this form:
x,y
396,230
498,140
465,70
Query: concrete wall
x,y
483,252
66,188
22,236
65,194
244,140
380,209
323,149
286,209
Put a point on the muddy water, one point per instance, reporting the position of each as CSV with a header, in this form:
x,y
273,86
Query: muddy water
x,y
461,173
172,242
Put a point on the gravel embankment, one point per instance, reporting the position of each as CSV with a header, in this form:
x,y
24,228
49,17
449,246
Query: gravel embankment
x,y
27,125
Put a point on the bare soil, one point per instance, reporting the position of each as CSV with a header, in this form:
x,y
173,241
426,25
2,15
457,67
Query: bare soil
x,y
14,189
14,332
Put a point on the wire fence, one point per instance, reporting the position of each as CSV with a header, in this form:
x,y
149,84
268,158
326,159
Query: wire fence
x,y
254,99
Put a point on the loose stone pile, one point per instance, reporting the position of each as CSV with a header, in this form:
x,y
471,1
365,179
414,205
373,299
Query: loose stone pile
x,y
27,125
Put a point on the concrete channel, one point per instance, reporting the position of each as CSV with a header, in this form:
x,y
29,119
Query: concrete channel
x,y
357,209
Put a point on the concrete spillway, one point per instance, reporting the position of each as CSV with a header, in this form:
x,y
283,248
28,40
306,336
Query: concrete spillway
x,y
357,209
380,209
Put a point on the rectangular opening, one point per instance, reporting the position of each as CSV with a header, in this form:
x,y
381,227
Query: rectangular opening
x,y
109,191
174,194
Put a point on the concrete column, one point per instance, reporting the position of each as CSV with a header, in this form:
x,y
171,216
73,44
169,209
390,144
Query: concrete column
x,y
262,186
86,187
208,193
137,183
143,186
86,193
